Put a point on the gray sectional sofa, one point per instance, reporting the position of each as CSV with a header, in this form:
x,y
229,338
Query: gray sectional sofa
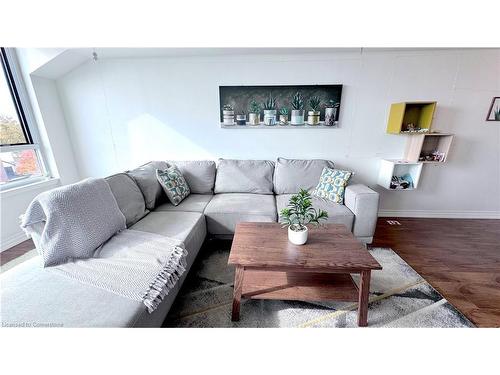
x,y
234,191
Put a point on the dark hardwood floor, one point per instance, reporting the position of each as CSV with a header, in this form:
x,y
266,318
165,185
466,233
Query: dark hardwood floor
x,y
16,251
458,257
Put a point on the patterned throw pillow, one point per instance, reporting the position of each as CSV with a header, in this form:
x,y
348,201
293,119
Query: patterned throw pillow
x,y
332,185
173,183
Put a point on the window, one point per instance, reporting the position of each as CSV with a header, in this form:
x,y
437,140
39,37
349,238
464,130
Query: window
x,y
19,152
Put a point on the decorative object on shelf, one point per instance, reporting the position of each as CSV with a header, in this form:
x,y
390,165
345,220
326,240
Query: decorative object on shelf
x,y
270,111
403,170
494,112
242,97
402,183
254,113
298,214
411,117
331,113
228,114
241,119
412,128
313,114
428,148
284,116
435,156
297,109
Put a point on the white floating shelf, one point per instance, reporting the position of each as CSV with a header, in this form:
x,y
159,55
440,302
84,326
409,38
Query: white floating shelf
x,y
321,125
390,168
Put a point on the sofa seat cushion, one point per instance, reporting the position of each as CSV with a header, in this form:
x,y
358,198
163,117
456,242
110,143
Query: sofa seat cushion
x,y
244,176
226,210
337,213
34,295
192,203
189,227
128,196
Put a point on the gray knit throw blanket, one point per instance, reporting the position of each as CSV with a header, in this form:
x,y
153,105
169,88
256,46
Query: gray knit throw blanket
x,y
73,220
137,265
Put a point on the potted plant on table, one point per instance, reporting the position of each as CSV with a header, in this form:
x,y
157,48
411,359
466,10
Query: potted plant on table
x,y
227,115
254,113
298,214
313,114
283,116
331,112
270,110
297,117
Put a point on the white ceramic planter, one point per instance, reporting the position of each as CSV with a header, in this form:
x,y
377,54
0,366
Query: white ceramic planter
x,y
283,120
297,117
297,238
254,118
269,117
330,114
228,117
313,117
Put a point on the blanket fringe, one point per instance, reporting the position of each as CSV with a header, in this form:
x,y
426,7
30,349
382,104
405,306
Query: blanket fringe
x,y
166,279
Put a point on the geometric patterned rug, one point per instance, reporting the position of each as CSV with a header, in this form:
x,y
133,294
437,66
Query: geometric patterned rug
x,y
399,297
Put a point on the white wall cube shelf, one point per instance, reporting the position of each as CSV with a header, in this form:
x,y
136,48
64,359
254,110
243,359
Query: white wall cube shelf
x,y
390,168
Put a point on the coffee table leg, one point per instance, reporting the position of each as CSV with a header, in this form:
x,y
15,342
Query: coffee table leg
x,y
238,287
364,291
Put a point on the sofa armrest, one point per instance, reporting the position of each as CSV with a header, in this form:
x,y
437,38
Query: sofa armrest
x,y
363,202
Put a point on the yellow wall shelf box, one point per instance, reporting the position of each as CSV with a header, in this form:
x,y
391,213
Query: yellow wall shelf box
x,y
403,115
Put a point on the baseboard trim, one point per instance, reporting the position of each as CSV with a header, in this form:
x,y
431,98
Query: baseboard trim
x,y
8,242
440,214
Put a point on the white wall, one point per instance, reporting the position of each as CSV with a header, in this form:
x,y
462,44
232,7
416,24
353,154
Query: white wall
x,y
123,112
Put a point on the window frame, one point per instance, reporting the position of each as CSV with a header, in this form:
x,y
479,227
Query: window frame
x,y
27,120
9,77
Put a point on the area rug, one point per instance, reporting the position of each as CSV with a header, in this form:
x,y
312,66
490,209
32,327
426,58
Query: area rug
x,y
399,297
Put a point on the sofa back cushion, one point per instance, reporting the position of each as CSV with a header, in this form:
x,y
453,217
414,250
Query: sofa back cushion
x,y
199,174
128,196
290,175
244,176
145,178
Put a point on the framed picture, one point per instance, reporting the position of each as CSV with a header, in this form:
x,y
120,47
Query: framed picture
x,y
494,112
280,106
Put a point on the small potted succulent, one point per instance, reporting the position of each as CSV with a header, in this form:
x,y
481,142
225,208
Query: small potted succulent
x,y
297,117
298,214
241,119
283,116
331,112
314,113
254,113
270,110
228,114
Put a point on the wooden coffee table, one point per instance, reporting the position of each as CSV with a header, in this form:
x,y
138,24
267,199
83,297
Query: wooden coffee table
x,y
268,266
